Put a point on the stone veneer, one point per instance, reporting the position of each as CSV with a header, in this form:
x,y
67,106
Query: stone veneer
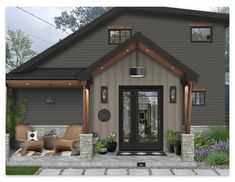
x,y
187,147
86,147
45,129
202,129
7,147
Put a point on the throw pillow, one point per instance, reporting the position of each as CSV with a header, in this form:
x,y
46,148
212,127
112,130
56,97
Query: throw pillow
x,y
32,135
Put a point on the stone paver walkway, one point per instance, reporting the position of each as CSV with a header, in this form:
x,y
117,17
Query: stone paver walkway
x,y
131,172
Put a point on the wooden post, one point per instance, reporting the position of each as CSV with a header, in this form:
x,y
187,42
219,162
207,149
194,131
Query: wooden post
x,y
85,107
188,106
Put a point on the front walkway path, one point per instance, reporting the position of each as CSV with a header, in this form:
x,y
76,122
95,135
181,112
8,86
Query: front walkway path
x,y
131,172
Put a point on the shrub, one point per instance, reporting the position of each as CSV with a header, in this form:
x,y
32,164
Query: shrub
x,y
217,158
201,140
221,146
169,134
201,153
218,133
176,138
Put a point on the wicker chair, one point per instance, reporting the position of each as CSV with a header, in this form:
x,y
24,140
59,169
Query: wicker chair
x,y
21,135
72,135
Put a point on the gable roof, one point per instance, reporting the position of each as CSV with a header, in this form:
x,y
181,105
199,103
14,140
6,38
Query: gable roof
x,y
114,12
170,62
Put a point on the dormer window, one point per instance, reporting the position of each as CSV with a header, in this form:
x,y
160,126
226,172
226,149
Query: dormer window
x,y
118,36
201,34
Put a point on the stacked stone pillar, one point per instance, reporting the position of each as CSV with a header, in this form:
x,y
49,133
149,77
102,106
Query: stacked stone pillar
x,y
187,147
86,147
7,147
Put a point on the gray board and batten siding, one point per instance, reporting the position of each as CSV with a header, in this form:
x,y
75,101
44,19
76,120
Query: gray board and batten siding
x,y
173,35
66,110
118,74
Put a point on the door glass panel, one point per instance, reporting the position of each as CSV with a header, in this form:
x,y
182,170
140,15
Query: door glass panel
x,y
147,117
126,116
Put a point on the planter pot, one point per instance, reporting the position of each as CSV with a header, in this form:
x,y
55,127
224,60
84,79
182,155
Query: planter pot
x,y
112,146
14,144
177,149
170,148
103,150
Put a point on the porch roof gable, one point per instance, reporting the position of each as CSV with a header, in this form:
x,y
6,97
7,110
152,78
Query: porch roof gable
x,y
149,48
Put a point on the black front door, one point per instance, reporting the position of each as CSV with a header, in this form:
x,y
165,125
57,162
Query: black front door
x,y
140,118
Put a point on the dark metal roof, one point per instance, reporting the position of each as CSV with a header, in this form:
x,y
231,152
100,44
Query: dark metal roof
x,y
46,74
189,74
159,11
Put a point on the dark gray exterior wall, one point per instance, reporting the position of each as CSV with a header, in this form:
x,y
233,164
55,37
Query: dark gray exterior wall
x,y
67,109
173,35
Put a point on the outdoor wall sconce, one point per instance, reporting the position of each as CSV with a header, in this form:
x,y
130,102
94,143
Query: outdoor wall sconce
x,y
137,71
172,94
50,99
104,94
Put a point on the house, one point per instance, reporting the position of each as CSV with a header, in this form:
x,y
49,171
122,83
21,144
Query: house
x,y
133,71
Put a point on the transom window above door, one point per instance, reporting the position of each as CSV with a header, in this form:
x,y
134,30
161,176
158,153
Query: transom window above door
x,y
118,36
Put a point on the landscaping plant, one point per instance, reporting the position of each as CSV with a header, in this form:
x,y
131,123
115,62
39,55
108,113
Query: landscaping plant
x,y
201,140
218,133
112,144
169,134
177,142
101,146
217,158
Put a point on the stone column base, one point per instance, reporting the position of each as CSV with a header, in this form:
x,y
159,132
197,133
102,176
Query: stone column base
x,y
86,147
187,147
7,147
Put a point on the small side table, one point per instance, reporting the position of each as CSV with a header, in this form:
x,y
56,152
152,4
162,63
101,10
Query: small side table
x,y
49,141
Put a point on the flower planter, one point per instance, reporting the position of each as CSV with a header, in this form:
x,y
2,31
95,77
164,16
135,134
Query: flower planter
x,y
177,149
170,148
103,151
112,146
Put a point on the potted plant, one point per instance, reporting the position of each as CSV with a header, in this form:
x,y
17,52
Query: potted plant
x,y
16,114
95,138
112,144
177,143
169,134
101,146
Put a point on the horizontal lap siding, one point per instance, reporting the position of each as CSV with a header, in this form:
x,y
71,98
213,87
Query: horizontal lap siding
x,y
66,110
173,35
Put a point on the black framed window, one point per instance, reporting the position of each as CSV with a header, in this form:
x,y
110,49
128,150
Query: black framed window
x,y
199,98
119,36
201,34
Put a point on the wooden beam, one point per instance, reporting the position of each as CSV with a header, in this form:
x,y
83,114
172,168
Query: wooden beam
x,y
85,108
146,50
65,84
160,59
119,26
113,60
188,106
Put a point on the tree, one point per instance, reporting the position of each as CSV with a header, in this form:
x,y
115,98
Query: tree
x,y
78,17
226,11
18,49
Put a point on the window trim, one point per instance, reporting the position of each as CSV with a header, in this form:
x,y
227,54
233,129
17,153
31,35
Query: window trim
x,y
201,41
195,99
119,35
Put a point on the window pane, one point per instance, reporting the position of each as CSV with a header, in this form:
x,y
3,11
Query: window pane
x,y
201,34
193,98
114,36
125,34
202,98
197,98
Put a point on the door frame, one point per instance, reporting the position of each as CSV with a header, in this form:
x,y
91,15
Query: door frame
x,y
131,146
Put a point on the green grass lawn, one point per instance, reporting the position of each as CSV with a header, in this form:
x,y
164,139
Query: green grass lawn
x,y
21,170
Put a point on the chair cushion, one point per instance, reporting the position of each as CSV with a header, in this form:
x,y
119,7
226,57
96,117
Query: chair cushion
x,y
32,135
